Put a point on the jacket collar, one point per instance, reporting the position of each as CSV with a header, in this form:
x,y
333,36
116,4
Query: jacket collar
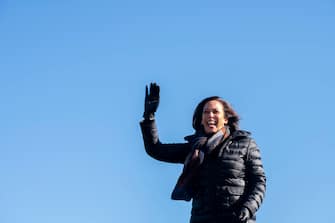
x,y
240,134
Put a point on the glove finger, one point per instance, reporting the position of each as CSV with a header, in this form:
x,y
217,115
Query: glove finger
x,y
243,216
146,91
152,89
158,90
155,91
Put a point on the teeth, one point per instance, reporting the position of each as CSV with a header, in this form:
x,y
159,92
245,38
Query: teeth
x,y
211,122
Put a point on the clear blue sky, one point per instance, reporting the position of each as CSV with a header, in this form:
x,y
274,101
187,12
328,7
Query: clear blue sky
x,y
72,81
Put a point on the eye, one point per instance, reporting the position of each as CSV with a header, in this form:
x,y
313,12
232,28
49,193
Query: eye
x,y
206,111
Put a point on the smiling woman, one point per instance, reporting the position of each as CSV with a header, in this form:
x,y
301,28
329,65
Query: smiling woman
x,y
213,118
223,173
220,108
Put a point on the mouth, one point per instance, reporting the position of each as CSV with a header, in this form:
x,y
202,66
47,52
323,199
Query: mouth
x,y
211,123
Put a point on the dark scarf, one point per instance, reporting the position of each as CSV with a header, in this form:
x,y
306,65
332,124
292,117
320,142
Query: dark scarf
x,y
201,146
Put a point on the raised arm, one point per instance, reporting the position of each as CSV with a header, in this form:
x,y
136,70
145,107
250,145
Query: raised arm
x,y
174,153
167,152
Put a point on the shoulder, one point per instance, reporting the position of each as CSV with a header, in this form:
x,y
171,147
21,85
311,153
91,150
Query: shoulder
x,y
241,134
243,138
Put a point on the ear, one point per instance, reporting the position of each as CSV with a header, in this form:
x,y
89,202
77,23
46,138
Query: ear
x,y
225,121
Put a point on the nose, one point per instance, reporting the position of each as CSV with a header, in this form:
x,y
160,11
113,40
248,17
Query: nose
x,y
210,114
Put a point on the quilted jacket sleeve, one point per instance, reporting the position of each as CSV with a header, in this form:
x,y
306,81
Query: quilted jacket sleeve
x,y
172,152
256,178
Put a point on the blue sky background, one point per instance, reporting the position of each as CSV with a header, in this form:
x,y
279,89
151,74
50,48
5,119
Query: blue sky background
x,y
72,82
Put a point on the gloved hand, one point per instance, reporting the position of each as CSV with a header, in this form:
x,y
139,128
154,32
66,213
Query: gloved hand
x,y
151,101
244,214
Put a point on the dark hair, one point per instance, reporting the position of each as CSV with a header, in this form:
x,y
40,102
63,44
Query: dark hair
x,y
229,113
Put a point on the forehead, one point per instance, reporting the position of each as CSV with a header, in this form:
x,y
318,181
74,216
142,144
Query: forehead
x,y
213,104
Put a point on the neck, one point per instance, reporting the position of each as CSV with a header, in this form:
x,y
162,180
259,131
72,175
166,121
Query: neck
x,y
225,131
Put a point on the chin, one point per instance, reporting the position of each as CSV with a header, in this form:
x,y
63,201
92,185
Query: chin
x,y
211,131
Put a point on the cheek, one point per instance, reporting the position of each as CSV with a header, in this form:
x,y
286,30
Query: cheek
x,y
223,121
203,118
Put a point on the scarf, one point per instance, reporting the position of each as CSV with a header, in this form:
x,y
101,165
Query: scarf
x,y
201,146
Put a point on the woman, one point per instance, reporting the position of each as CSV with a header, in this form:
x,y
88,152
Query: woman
x,y
223,173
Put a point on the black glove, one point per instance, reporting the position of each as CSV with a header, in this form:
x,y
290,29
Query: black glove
x,y
244,214
151,101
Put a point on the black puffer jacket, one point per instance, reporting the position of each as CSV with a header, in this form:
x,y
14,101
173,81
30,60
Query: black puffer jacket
x,y
229,178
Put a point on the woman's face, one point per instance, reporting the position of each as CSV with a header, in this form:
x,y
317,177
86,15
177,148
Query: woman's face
x,y
213,118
